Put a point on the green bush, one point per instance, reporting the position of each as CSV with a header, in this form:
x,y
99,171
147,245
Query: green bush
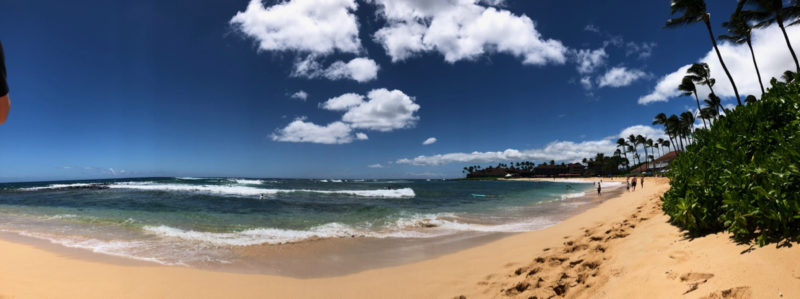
x,y
743,174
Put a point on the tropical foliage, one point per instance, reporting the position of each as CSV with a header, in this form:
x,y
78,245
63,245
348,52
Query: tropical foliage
x,y
743,174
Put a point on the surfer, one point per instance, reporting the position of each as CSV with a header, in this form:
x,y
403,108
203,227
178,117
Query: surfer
x,y
5,103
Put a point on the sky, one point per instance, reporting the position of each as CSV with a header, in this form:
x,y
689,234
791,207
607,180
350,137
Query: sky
x,y
344,88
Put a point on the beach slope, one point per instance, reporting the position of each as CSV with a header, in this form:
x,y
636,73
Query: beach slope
x,y
623,248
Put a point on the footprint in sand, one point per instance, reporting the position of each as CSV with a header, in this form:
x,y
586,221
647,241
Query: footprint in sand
x,y
680,256
694,280
743,292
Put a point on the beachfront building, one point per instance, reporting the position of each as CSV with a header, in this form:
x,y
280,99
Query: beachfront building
x,y
659,165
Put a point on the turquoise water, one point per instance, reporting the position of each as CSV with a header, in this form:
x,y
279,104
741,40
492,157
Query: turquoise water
x,y
189,220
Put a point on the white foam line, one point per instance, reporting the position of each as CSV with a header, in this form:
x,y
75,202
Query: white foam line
x,y
253,191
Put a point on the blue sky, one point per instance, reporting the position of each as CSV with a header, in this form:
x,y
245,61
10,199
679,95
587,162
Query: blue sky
x,y
181,88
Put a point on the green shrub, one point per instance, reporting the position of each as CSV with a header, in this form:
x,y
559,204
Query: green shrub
x,y
743,174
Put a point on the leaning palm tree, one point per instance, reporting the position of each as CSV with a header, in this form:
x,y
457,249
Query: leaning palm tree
x,y
687,87
715,102
694,11
738,33
772,11
667,144
700,73
660,143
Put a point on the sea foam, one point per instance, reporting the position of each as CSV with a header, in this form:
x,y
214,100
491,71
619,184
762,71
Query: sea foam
x,y
254,191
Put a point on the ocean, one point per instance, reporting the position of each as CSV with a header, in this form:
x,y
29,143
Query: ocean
x,y
219,221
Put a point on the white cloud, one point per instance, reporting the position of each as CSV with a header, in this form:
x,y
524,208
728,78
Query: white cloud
x,y
376,165
620,76
462,30
567,151
385,111
343,102
592,28
430,140
307,26
300,95
771,53
640,50
301,131
358,69
586,82
589,60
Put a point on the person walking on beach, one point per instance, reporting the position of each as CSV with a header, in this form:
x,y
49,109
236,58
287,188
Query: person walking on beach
x,y
598,187
627,184
5,103
641,182
633,184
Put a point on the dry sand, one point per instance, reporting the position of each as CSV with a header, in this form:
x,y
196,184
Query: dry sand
x,y
623,248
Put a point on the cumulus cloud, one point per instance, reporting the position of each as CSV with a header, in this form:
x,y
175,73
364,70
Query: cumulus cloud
x,y
343,102
300,95
385,111
376,165
302,131
639,50
462,30
307,26
771,53
589,60
619,77
586,82
566,151
358,69
430,140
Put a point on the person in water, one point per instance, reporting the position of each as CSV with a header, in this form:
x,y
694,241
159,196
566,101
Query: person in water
x,y
5,103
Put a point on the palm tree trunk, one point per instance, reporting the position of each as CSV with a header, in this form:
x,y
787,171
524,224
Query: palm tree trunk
x,y
681,140
698,109
724,67
750,45
786,37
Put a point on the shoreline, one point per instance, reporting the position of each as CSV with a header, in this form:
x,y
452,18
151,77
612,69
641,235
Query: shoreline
x,y
486,270
330,257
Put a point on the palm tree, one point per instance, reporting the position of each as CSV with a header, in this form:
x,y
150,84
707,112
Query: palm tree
x,y
643,141
695,11
667,144
788,76
688,88
634,142
649,144
750,99
708,112
772,11
622,144
687,122
660,143
739,32
673,128
714,101
700,73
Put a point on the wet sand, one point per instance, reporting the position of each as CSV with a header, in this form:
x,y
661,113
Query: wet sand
x,y
621,248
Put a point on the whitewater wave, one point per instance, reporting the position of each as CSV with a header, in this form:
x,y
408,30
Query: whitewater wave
x,y
253,191
246,181
58,186
117,248
419,226
573,195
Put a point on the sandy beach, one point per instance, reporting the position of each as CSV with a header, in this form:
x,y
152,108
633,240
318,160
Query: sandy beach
x,y
622,248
